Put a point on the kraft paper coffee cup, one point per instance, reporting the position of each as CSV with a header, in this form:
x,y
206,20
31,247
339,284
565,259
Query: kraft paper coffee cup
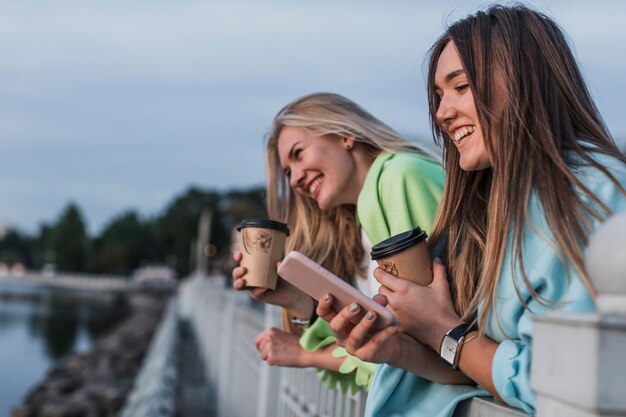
x,y
262,245
406,256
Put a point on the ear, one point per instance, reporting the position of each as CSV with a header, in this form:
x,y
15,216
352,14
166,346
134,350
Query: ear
x,y
348,143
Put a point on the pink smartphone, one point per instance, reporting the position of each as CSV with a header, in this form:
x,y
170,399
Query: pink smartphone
x,y
316,281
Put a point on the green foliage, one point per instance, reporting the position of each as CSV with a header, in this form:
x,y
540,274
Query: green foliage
x,y
68,240
125,243
16,247
129,241
179,226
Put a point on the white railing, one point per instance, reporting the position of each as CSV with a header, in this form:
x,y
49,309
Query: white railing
x,y
579,367
225,323
240,384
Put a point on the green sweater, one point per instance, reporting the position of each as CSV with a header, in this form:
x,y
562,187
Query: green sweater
x,y
400,192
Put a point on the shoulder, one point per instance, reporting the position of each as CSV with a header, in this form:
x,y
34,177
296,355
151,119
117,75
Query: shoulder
x,y
403,166
598,181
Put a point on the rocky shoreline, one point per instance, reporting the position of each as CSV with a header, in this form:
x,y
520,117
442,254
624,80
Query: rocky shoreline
x,y
96,383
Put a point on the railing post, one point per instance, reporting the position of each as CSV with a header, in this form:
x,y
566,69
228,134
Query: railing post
x,y
269,376
579,360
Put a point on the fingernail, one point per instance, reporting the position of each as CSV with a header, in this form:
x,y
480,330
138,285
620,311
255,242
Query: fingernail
x,y
354,308
437,259
369,315
326,297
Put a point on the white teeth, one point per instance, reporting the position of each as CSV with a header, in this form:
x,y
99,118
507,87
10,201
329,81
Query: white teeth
x,y
315,185
462,132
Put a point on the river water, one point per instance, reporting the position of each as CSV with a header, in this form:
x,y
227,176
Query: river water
x,y
38,327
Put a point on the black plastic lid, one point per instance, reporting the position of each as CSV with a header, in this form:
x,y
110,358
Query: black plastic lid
x,y
264,223
398,243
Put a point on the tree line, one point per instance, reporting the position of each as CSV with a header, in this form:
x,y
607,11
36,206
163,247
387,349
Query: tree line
x,y
130,241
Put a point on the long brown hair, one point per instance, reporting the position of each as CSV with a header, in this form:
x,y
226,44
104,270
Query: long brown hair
x,y
548,125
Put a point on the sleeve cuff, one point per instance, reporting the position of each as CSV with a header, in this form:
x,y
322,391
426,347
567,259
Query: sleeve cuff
x,y
510,374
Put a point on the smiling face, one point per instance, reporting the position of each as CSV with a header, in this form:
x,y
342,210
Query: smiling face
x,y
457,113
320,167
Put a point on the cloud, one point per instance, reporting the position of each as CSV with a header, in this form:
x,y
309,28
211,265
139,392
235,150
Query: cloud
x,y
123,104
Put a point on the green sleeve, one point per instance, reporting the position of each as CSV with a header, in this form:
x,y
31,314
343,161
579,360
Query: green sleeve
x,y
353,373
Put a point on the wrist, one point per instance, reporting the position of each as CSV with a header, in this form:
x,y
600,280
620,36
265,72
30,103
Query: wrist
x,y
307,358
299,319
440,329
301,307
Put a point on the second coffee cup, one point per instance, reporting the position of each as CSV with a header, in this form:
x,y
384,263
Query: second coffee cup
x,y
406,256
262,246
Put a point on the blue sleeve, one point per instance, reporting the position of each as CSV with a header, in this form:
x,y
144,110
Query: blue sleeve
x,y
553,281
512,361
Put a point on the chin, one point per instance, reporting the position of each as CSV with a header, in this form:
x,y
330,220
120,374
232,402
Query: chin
x,y
324,203
473,165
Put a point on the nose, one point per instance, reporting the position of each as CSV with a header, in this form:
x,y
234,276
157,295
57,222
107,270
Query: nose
x,y
446,111
296,178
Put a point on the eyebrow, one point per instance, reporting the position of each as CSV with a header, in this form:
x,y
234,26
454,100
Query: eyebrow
x,y
451,75
454,74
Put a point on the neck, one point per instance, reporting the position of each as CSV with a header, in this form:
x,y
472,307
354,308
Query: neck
x,y
364,161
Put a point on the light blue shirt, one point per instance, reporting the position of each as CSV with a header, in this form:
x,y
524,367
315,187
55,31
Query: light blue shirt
x,y
396,392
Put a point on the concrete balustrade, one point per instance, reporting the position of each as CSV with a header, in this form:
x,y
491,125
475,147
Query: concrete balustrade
x,y
579,362
155,387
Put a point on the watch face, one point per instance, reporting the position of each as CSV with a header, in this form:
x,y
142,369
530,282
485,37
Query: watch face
x,y
448,349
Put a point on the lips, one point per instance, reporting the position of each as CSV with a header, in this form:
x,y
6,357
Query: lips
x,y
462,133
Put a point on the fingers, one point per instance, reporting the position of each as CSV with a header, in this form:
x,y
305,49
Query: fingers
x,y
439,274
359,333
341,324
239,272
377,340
324,308
381,298
238,282
237,255
262,336
388,280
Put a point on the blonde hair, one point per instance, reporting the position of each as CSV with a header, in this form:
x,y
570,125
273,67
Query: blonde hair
x,y
331,237
549,124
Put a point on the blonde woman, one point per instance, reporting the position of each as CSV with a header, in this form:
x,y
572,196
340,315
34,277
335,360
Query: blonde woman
x,y
332,166
531,172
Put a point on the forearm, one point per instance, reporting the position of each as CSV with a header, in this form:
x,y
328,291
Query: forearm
x,y
420,360
301,306
476,361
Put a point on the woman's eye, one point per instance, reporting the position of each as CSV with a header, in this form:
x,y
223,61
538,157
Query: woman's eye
x,y
461,88
297,153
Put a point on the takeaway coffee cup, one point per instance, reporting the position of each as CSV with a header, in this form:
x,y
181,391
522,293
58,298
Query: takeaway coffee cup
x,y
262,245
406,256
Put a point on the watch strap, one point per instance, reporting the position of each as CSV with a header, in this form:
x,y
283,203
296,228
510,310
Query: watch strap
x,y
459,331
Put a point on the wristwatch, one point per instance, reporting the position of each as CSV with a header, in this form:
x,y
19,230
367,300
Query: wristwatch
x,y
451,344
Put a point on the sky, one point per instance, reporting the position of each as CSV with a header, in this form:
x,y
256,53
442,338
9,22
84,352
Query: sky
x,y
118,105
